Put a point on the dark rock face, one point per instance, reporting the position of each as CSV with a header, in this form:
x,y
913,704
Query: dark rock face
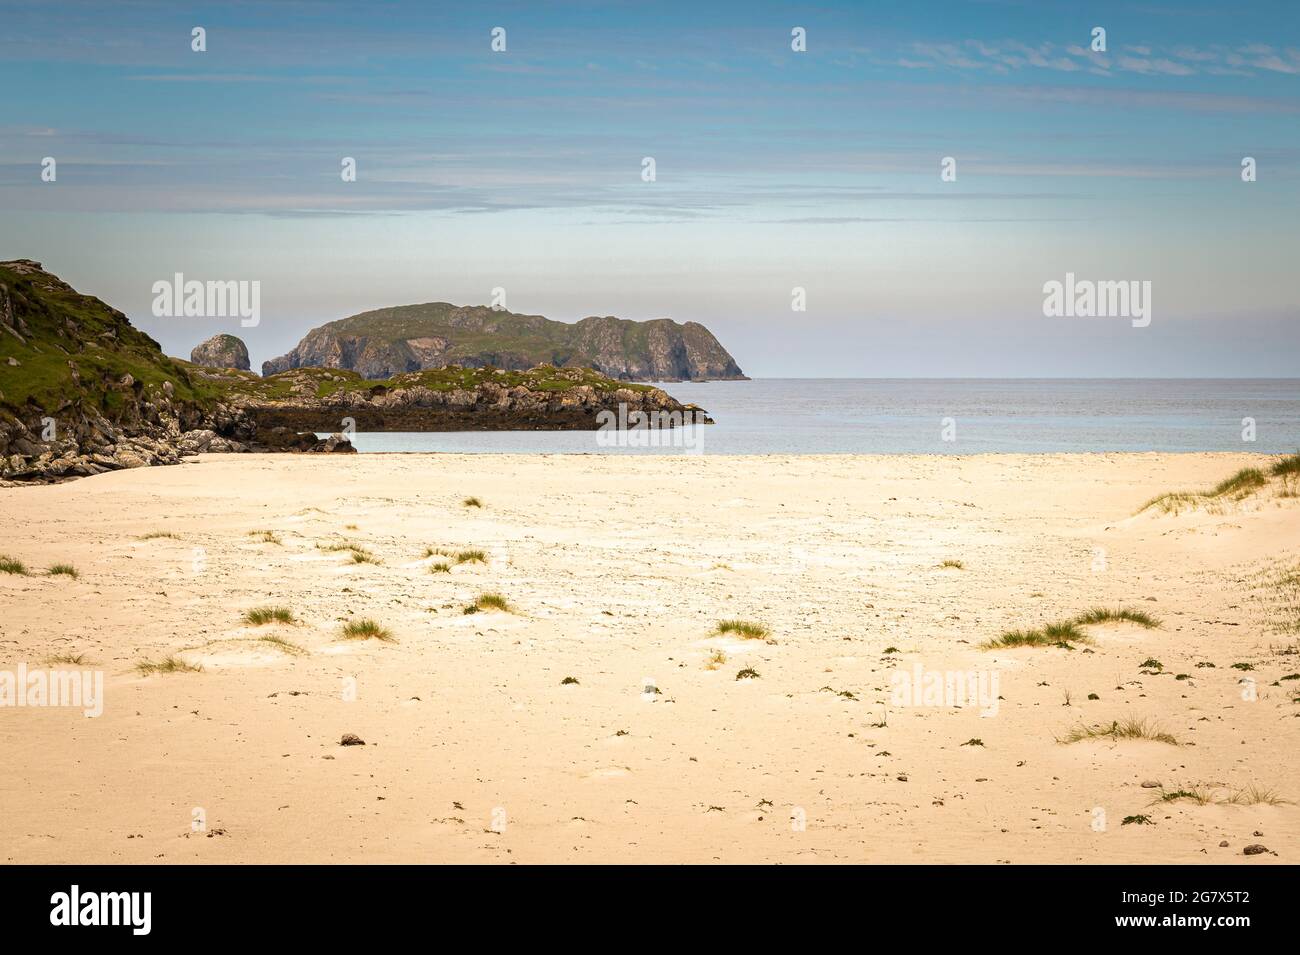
x,y
221,351
392,341
407,404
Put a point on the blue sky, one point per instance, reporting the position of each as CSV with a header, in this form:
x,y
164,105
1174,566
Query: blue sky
x,y
775,169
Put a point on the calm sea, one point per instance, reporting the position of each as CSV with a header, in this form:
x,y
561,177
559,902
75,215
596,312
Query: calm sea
x,y
884,416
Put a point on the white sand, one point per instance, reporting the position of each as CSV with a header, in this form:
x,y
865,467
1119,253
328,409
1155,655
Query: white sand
x,y
619,569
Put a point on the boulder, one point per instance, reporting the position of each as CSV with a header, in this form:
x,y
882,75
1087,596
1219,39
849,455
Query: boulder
x,y
337,444
128,458
221,351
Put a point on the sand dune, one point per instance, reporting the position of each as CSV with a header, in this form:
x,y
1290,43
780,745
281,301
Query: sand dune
x,y
617,572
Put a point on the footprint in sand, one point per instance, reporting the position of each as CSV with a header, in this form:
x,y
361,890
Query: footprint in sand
x,y
609,772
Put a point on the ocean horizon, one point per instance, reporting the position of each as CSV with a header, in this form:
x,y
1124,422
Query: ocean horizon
x,y
932,416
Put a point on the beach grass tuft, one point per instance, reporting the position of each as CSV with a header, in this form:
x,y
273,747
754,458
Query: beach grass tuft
x,y
742,628
1286,466
262,615
440,567
954,564
11,565
1128,728
472,502
1052,635
266,537
169,665
489,601
1066,632
155,535
1203,794
282,644
67,659
63,570
1243,483
749,673
367,630
1118,615
360,554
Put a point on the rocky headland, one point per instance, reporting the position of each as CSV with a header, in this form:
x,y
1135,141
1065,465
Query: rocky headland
x,y
82,391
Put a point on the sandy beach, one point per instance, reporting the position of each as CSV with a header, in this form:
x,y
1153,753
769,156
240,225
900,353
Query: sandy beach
x,y
618,571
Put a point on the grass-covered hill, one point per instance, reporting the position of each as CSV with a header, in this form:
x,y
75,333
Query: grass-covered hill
x,y
61,349
390,341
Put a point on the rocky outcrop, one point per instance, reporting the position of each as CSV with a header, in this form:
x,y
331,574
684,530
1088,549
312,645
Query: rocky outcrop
x,y
392,341
82,391
221,351
456,399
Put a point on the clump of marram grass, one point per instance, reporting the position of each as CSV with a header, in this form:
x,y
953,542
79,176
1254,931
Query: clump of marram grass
x,y
954,564
333,546
262,615
468,556
1255,795
1243,483
367,630
1052,635
716,659
67,659
360,555
1128,728
63,570
742,628
440,567
1065,632
1290,464
472,502
169,665
1209,795
155,535
489,601
266,537
282,644
12,565
749,673
1119,614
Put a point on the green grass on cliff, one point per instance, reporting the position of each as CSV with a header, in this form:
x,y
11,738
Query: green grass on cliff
x,y
77,348
327,382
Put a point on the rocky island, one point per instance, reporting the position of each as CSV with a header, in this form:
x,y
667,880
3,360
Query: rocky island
x,y
82,391
408,338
